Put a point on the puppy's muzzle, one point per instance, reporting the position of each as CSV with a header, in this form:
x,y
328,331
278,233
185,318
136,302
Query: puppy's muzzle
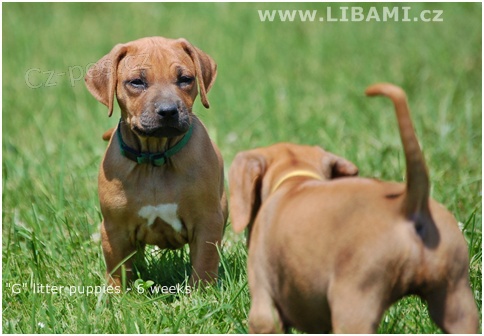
x,y
166,119
167,112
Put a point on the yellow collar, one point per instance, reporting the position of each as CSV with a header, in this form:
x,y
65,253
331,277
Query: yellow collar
x,y
301,172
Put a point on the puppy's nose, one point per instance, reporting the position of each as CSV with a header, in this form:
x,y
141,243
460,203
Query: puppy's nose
x,y
167,111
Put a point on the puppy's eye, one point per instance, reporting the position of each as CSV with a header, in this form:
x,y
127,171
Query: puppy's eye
x,y
185,80
137,83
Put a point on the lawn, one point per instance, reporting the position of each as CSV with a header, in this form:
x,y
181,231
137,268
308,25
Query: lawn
x,y
297,81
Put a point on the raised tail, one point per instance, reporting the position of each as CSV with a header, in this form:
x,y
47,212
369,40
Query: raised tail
x,y
416,203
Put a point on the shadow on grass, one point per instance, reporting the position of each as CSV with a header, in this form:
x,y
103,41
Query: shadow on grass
x,y
173,268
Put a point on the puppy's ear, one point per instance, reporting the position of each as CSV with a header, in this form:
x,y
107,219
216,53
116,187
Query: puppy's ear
x,y
205,67
101,79
335,166
245,182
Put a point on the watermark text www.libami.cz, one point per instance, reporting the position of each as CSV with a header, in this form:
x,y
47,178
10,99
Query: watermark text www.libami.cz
x,y
352,14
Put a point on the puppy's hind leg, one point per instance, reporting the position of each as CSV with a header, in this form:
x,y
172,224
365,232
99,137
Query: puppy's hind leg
x,y
453,308
264,317
354,311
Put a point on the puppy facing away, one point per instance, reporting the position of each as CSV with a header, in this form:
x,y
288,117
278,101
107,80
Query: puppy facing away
x,y
161,179
333,254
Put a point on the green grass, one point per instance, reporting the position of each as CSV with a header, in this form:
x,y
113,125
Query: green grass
x,y
281,81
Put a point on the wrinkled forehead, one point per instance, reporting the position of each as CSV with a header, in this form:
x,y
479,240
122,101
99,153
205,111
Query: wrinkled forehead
x,y
165,56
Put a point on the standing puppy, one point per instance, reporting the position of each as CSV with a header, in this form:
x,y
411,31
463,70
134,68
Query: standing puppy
x,y
334,255
161,180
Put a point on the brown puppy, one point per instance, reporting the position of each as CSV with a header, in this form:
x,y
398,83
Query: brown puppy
x,y
161,180
334,255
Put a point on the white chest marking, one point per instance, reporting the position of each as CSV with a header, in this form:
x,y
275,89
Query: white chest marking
x,y
167,212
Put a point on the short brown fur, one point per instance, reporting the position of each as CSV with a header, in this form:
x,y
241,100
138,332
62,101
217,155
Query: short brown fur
x,y
337,254
155,82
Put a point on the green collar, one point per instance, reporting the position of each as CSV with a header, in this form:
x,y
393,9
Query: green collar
x,y
156,159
